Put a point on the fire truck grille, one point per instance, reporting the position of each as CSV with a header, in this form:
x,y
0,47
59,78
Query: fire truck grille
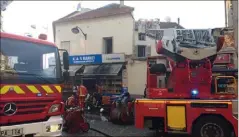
x,y
27,107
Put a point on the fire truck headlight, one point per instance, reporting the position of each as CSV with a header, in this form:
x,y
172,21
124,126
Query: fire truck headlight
x,y
194,92
54,108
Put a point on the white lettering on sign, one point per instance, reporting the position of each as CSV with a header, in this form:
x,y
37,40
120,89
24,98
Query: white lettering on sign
x,y
112,58
87,58
83,59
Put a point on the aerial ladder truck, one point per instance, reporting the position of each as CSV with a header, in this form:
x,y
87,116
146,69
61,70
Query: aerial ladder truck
x,y
182,95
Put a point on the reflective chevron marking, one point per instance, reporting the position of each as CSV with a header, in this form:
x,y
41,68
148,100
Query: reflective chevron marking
x,y
20,89
58,88
15,88
33,89
47,89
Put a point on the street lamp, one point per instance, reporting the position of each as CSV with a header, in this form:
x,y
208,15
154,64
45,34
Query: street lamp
x,y
77,30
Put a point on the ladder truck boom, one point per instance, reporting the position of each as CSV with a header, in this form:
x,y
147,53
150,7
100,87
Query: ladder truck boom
x,y
192,44
182,94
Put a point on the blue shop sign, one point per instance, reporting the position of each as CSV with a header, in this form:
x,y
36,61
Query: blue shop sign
x,y
85,59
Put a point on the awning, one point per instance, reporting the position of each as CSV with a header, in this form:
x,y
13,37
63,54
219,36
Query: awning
x,y
74,69
90,69
104,69
109,69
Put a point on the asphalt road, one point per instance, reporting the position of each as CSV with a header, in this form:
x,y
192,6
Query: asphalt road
x,y
104,126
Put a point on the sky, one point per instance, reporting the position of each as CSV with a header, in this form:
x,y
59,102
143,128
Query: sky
x,y
20,15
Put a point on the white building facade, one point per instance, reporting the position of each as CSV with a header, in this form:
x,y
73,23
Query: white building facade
x,y
111,30
106,34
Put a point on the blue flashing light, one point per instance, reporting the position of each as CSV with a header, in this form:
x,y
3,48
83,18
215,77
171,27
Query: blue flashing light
x,y
194,92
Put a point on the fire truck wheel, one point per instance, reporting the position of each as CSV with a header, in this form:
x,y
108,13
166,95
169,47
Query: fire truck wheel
x,y
211,126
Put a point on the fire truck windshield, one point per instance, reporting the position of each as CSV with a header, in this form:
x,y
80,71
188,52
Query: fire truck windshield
x,y
29,63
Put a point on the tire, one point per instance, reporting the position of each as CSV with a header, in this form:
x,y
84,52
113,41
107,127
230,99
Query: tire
x,y
211,126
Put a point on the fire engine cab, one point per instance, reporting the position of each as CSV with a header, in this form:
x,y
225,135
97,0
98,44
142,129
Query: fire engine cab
x,y
182,94
30,91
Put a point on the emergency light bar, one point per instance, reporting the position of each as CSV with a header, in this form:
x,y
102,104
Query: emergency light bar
x,y
42,37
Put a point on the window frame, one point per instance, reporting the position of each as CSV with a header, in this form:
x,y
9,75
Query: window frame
x,y
69,48
141,36
144,51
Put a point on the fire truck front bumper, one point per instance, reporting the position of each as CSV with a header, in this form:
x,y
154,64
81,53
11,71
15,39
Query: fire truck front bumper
x,y
52,127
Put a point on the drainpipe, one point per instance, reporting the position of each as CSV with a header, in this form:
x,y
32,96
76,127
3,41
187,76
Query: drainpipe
x,y
226,12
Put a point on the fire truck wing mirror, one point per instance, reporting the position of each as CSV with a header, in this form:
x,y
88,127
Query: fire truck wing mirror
x,y
42,37
66,75
66,60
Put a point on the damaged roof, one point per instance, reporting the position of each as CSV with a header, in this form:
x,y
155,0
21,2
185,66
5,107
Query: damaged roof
x,y
105,11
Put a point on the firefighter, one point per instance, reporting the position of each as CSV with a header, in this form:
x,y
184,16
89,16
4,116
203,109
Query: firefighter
x,y
98,94
124,97
99,88
82,93
72,101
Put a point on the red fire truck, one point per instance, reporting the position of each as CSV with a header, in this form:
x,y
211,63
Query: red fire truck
x,y
182,94
30,91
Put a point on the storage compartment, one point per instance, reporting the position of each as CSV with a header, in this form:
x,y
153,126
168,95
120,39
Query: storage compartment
x,y
176,118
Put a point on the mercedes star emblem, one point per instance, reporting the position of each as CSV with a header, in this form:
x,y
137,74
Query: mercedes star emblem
x,y
10,109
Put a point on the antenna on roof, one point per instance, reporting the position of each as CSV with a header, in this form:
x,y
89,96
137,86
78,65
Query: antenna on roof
x,y
78,7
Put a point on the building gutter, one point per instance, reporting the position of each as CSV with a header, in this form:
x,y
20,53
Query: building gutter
x,y
54,31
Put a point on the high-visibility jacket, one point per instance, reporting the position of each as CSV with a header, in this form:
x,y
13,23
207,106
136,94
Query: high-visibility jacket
x,y
82,91
72,101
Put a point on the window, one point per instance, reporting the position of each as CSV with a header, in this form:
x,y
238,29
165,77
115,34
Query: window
x,y
141,50
65,45
40,65
108,45
48,60
142,36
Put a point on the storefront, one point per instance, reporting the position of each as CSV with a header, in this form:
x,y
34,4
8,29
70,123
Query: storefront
x,y
107,70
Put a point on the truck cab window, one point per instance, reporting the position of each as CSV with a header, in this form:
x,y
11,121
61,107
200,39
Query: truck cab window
x,y
38,61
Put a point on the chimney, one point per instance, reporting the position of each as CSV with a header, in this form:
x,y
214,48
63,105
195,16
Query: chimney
x,y
178,21
121,3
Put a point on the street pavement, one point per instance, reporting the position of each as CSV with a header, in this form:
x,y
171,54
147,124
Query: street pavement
x,y
101,124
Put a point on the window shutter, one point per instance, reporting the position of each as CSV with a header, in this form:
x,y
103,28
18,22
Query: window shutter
x,y
148,51
135,52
